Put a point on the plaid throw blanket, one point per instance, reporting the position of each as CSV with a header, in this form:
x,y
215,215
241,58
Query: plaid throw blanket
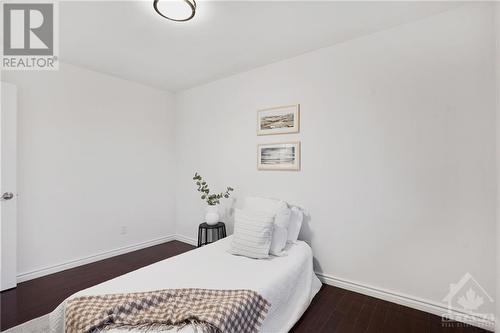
x,y
210,310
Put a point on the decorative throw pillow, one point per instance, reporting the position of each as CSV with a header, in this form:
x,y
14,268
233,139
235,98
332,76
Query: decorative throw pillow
x,y
296,218
280,232
252,234
257,204
282,214
278,243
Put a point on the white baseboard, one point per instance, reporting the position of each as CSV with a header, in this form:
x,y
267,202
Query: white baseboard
x,y
25,276
185,239
399,298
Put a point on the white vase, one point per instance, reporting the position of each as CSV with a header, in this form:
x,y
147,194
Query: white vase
x,y
212,215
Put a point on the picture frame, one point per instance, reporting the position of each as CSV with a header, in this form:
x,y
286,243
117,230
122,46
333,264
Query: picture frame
x,y
279,156
279,120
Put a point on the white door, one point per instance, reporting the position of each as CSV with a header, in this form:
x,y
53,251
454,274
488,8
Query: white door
x,y
8,186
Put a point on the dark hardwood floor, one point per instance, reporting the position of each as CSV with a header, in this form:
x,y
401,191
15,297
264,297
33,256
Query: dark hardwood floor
x,y
40,296
342,311
332,310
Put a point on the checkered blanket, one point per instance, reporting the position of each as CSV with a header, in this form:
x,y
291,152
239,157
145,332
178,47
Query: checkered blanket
x,y
209,310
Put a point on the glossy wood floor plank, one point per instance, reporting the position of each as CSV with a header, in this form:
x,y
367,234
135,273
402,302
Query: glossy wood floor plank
x,y
333,310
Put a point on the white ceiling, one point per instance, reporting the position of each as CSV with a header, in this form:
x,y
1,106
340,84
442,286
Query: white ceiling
x,y
129,40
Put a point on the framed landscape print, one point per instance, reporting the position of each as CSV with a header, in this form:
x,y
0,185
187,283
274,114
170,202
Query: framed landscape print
x,y
278,120
279,156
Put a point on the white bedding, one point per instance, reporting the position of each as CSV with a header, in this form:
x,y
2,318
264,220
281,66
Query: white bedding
x,y
287,282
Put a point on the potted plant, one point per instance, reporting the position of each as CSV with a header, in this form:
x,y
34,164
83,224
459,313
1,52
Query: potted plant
x,y
212,215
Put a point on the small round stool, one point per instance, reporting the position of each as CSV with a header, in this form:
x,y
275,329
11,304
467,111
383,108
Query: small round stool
x,y
217,231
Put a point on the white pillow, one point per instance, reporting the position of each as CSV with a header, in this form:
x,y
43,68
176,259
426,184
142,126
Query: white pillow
x,y
282,214
296,218
278,242
280,232
282,217
252,234
257,204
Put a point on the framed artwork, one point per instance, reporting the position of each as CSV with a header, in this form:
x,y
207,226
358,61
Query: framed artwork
x,y
279,156
278,120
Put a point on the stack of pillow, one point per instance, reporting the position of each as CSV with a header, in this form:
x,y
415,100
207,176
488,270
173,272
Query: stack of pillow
x,y
263,228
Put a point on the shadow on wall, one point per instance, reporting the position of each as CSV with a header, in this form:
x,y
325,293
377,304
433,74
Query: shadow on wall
x,y
227,214
306,234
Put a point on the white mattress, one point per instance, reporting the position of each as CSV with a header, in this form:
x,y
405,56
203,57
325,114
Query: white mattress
x,y
287,282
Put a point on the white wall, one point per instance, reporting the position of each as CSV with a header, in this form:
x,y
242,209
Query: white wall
x,y
497,63
95,154
398,152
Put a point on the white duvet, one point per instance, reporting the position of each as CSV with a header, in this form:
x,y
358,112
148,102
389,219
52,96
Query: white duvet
x,y
287,282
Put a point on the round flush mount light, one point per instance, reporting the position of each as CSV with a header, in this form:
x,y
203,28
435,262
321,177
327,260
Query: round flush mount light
x,y
175,10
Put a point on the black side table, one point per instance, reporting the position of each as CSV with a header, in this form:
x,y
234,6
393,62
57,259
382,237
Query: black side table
x,y
217,231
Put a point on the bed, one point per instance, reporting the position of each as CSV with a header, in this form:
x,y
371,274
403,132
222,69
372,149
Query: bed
x,y
288,282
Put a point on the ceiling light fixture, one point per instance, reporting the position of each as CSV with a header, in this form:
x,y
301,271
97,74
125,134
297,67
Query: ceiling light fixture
x,y
175,10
